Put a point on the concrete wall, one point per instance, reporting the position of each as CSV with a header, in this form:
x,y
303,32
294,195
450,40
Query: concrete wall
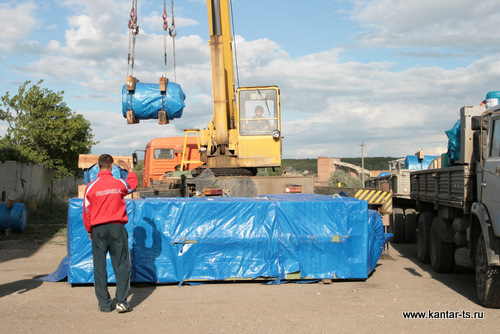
x,y
26,181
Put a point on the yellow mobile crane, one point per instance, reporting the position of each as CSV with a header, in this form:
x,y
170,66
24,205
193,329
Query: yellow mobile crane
x,y
238,140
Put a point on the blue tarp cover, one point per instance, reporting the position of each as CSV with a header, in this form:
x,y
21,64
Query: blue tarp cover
x,y
91,173
14,217
177,239
147,101
454,142
412,162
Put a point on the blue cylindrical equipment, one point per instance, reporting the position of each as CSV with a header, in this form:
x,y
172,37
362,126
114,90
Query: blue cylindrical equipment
x,y
147,100
14,217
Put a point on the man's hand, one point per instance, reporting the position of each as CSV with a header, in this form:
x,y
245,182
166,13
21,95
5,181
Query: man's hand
x,y
90,236
124,165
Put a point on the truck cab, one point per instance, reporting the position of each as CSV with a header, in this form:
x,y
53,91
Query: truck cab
x,y
164,155
489,170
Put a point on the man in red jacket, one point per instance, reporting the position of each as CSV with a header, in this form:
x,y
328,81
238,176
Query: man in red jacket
x,y
104,217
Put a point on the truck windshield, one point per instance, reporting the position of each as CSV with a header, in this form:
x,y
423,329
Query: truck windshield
x,y
164,153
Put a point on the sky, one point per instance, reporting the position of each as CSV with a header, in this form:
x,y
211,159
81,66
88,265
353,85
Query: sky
x,y
389,74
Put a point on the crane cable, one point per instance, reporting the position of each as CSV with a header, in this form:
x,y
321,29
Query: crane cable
x,y
165,28
172,32
234,44
133,31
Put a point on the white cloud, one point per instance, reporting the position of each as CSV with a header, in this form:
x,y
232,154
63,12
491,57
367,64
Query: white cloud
x,y
329,105
18,22
461,24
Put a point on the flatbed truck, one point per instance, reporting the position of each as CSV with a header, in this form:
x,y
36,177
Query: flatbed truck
x,y
459,206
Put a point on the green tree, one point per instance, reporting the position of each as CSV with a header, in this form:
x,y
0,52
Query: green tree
x,y
345,180
43,129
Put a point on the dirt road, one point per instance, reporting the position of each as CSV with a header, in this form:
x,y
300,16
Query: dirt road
x,y
372,306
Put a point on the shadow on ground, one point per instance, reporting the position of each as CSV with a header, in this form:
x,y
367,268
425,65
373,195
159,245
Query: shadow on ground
x,y
462,283
19,287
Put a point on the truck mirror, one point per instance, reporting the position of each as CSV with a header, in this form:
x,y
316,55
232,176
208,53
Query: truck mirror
x,y
476,123
134,158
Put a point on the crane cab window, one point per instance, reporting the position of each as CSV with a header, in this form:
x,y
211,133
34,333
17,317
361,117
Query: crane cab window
x,y
495,139
259,114
164,153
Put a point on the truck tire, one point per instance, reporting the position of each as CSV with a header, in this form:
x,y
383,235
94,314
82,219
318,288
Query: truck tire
x,y
411,225
487,278
398,225
463,262
423,236
442,253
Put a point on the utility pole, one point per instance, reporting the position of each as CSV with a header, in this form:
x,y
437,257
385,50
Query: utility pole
x,y
362,164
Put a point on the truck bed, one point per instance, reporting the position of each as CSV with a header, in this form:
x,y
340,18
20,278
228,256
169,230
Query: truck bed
x,y
398,184
451,186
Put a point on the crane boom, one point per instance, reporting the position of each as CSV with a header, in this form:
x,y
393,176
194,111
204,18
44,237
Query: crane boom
x,y
222,68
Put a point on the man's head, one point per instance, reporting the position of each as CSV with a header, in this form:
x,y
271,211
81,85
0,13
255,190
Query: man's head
x,y
105,162
259,110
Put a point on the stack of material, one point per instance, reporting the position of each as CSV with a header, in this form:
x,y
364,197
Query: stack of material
x,y
274,237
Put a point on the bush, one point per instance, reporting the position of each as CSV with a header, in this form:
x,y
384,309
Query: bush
x,y
344,179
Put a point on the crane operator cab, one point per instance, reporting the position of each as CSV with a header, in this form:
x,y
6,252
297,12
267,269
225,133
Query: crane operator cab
x,y
258,113
254,133
259,128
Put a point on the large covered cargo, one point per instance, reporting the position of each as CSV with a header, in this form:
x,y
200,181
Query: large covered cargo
x,y
146,100
273,237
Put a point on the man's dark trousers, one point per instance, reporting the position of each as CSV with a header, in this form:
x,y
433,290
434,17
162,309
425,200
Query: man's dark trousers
x,y
112,238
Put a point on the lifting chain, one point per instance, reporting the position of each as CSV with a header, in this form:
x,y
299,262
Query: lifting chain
x,y
172,33
133,31
165,28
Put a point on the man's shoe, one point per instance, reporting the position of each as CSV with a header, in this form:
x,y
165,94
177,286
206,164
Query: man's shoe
x,y
122,307
106,310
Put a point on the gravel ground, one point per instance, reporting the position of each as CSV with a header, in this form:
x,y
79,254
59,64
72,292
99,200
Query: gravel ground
x,y
399,284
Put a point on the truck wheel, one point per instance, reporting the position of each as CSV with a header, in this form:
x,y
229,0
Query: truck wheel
x,y
442,253
487,278
423,236
398,225
411,225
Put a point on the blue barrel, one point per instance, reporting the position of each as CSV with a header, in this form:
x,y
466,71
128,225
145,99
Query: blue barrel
x,y
15,217
147,101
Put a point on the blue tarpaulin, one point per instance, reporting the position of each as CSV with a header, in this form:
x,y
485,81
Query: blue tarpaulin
x,y
454,142
14,217
90,174
147,101
273,236
413,162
